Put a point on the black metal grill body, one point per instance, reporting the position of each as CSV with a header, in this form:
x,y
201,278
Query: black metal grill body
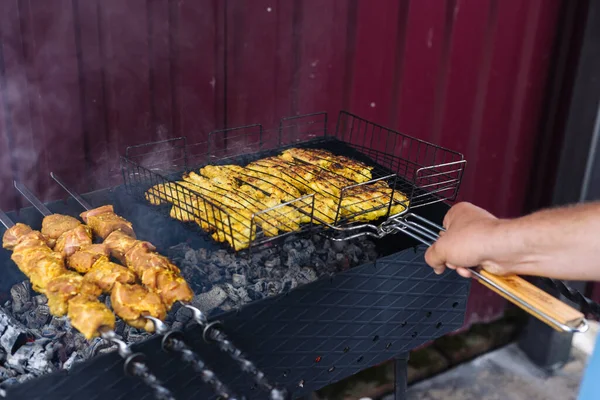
x,y
305,339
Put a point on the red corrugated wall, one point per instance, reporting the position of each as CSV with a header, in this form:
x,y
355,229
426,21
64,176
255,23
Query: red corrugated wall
x,y
82,79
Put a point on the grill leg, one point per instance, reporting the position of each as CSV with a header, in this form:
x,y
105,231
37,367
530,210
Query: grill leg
x,y
400,377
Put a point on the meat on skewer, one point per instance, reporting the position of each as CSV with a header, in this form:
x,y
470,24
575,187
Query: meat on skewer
x,y
130,301
155,271
76,295
103,221
93,262
42,266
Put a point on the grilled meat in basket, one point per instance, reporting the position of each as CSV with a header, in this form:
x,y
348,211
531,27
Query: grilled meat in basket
x,y
278,194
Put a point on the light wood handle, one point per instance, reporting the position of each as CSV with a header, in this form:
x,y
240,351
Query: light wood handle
x,y
542,305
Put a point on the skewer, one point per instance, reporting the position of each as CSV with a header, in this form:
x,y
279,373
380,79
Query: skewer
x,y
134,364
210,331
174,341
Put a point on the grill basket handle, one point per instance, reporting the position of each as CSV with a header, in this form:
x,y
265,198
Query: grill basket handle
x,y
517,290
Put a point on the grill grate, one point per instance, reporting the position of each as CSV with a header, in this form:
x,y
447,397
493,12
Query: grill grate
x,y
405,173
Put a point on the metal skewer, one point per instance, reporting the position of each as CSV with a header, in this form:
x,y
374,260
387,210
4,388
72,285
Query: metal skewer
x,y
173,342
210,332
134,362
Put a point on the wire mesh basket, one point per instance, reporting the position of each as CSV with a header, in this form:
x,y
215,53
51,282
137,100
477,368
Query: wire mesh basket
x,y
247,186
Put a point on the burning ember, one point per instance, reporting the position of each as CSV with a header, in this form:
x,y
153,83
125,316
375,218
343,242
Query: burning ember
x,y
33,342
223,281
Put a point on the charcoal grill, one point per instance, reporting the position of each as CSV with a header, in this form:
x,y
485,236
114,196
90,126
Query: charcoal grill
x,y
307,337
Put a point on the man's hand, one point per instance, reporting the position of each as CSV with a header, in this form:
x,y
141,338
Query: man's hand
x,y
561,243
470,240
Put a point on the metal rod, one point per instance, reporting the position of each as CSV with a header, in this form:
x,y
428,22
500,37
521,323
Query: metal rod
x,y
200,318
32,199
73,194
213,334
135,366
6,221
173,342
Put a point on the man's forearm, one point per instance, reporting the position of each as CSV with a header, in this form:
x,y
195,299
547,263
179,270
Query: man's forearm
x,y
562,243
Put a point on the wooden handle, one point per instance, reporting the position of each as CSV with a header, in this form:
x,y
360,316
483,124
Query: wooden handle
x,y
542,304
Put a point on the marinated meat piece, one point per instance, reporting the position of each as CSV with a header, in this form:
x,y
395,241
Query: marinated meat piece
x,y
63,288
55,225
120,243
103,221
18,237
71,241
132,302
169,286
45,270
142,257
105,274
322,158
340,165
27,258
87,314
83,260
14,234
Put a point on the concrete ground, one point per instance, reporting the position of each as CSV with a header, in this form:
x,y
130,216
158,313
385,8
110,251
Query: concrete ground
x,y
507,374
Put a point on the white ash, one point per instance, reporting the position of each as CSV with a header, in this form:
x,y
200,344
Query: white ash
x,y
223,280
33,342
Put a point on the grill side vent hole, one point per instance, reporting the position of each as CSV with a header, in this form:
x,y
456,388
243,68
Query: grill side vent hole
x,y
331,369
403,324
455,304
346,349
286,373
414,334
428,314
438,325
375,338
387,346
318,359
360,359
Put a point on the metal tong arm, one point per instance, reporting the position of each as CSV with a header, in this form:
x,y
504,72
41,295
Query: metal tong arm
x,y
527,296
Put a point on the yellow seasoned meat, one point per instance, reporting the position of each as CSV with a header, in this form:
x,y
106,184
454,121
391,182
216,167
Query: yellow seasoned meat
x,y
103,221
55,225
162,193
87,314
16,233
64,287
318,157
368,203
268,211
105,274
232,201
83,260
343,166
132,302
72,240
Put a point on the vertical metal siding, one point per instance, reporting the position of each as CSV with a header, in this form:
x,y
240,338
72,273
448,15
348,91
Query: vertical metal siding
x,y
81,80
